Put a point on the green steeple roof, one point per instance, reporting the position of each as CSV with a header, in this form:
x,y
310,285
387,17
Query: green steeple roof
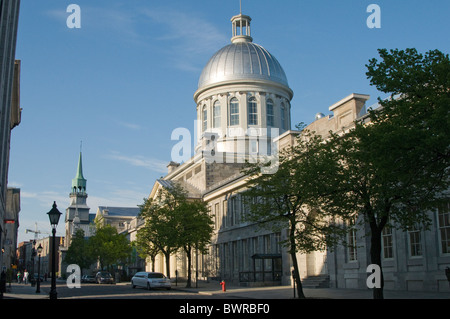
x,y
79,182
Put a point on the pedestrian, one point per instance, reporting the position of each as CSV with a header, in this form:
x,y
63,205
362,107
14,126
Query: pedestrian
x,y
19,275
25,277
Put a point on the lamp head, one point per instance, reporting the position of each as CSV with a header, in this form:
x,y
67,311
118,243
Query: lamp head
x,y
54,215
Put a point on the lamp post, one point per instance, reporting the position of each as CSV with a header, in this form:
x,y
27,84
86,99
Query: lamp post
x,y
53,215
38,282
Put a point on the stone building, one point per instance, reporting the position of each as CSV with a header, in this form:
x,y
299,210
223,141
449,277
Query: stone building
x,y
243,102
10,110
11,224
243,111
117,217
77,214
414,260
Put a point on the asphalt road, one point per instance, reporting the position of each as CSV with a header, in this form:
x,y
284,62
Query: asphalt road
x,y
119,291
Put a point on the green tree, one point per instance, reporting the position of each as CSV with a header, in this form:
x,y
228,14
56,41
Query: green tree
x,y
195,228
145,246
172,221
395,169
79,251
288,198
109,247
161,220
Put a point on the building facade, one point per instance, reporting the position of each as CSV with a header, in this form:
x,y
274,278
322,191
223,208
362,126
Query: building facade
x,y
11,224
117,217
9,97
243,102
243,94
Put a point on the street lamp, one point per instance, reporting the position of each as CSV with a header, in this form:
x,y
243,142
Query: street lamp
x,y
38,283
53,215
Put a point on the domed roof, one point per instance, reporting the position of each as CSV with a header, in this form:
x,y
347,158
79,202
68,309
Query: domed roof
x,y
242,61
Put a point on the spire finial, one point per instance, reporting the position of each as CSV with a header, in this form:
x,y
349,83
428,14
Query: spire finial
x,y
79,182
240,6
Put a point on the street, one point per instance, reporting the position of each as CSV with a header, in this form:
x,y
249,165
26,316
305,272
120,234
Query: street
x,y
120,291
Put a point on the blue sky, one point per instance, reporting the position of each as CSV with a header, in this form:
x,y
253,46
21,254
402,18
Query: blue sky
x,y
125,80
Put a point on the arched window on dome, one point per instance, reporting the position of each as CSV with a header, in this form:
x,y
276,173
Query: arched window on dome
x,y
283,116
205,118
252,111
216,114
270,114
234,112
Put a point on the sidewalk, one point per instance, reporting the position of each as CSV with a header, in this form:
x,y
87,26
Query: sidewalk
x,y
287,292
214,289
22,291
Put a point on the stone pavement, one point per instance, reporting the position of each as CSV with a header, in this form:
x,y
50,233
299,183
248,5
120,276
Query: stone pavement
x,y
22,291
213,289
287,292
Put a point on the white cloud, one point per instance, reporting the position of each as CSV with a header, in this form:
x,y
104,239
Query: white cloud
x,y
131,126
186,36
152,164
28,194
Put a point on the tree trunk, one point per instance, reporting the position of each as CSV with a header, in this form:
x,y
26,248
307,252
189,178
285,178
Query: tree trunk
x,y
189,278
292,250
153,263
167,264
375,256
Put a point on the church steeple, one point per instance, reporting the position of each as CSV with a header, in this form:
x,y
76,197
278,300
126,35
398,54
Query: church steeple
x,y
79,182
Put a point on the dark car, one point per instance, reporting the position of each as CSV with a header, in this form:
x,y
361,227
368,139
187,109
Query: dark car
x,y
104,277
88,278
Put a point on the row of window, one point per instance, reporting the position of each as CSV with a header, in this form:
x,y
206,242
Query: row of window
x,y
237,255
414,238
230,214
252,113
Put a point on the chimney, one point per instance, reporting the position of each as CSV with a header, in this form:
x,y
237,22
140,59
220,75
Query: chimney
x,y
172,166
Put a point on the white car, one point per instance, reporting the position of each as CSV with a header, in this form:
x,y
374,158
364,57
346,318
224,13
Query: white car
x,y
150,280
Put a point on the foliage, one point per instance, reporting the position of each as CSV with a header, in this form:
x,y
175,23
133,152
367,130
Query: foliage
x,y
79,251
160,226
109,247
393,170
195,228
145,246
289,198
173,221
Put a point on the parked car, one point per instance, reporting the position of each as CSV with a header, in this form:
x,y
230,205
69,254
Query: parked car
x,y
88,278
150,280
104,277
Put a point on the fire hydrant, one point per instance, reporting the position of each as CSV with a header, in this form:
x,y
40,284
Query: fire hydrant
x,y
223,286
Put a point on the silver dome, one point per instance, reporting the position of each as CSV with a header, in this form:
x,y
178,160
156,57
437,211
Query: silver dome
x,y
242,61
